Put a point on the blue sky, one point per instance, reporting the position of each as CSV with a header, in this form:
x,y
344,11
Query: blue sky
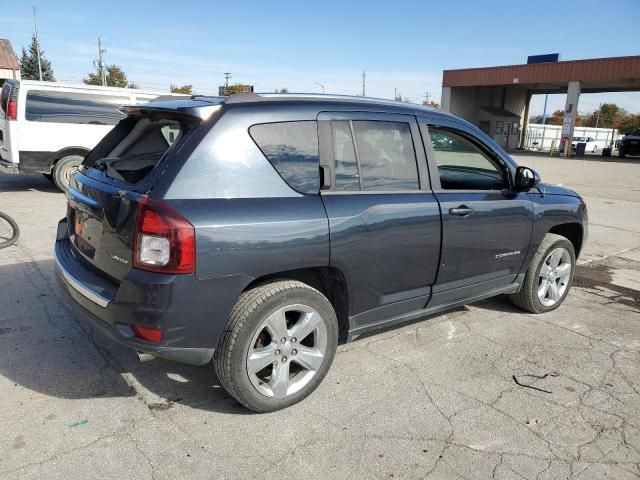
x,y
403,45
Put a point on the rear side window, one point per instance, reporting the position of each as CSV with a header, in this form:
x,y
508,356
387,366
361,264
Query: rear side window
x,y
292,149
382,157
74,107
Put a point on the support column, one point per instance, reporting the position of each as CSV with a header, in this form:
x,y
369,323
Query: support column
x,y
445,100
570,112
525,120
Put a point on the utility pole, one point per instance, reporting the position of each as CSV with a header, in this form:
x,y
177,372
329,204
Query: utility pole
x,y
426,98
320,85
35,29
395,93
598,117
364,75
227,76
99,63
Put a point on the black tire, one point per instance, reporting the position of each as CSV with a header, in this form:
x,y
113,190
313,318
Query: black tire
x,y
621,153
63,170
251,309
14,226
527,298
48,176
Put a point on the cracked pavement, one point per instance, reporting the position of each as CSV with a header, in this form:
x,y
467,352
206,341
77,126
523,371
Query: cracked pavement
x,y
435,399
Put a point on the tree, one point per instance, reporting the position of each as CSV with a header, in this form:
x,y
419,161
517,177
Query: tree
x,y
281,90
629,123
431,103
186,89
29,63
115,78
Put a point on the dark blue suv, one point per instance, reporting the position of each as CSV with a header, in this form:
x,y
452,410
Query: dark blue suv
x,y
255,232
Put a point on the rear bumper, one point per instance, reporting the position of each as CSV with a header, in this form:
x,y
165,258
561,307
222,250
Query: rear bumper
x,y
190,313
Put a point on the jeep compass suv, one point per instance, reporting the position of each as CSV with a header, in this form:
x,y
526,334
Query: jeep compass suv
x,y
255,232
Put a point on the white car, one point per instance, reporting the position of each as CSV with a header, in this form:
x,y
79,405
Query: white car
x,y
592,144
49,127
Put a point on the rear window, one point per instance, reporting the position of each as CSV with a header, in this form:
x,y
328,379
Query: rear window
x,y
74,107
138,149
292,149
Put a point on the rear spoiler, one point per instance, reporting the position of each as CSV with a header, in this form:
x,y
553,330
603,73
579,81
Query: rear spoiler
x,y
192,108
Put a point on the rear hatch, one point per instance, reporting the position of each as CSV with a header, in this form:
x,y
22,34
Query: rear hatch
x,y
112,184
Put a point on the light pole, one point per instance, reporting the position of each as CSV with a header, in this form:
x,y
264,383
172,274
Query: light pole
x,y
320,85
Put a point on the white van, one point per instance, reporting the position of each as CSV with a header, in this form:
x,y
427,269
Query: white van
x,y
48,127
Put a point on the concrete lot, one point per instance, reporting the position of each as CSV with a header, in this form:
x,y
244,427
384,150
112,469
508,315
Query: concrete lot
x,y
436,399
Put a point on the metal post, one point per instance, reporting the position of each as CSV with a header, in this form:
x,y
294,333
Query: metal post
x,y
364,75
320,85
35,28
544,120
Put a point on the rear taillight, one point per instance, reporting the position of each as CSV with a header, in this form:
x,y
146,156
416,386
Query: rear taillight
x,y
164,241
12,110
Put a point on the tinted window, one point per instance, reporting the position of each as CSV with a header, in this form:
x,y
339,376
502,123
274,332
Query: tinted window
x,y
72,107
292,149
381,158
346,167
462,165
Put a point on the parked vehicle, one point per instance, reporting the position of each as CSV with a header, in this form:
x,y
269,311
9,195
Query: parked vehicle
x,y
592,144
48,127
256,231
630,145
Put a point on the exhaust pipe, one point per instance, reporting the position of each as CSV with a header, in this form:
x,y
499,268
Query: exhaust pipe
x,y
145,357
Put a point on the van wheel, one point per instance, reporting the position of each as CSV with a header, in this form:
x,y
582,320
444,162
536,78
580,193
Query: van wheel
x,y
277,345
549,277
65,167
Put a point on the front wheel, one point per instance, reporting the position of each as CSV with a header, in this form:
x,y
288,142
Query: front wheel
x,y
277,346
549,276
64,168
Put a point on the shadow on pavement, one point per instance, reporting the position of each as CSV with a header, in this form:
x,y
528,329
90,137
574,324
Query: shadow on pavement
x,y
27,181
45,348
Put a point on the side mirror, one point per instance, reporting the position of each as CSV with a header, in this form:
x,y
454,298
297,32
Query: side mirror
x,y
526,178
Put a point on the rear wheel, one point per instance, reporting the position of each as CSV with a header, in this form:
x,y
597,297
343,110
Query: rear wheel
x,y
549,277
64,168
622,153
277,346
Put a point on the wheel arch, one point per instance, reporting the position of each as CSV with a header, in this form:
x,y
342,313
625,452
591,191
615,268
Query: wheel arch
x,y
572,231
330,281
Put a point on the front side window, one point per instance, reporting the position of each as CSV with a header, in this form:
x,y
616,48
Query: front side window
x,y
374,155
292,149
462,165
74,107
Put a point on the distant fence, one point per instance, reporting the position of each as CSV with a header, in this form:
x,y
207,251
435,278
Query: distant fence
x,y
540,137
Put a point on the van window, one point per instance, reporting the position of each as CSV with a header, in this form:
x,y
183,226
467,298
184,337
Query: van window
x,y
292,149
74,107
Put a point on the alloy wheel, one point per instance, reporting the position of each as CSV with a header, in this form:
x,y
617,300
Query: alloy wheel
x,y
554,277
287,350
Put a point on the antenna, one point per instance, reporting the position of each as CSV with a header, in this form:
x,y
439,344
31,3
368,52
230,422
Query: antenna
x,y
35,28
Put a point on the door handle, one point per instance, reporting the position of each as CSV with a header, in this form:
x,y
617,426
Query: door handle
x,y
461,211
